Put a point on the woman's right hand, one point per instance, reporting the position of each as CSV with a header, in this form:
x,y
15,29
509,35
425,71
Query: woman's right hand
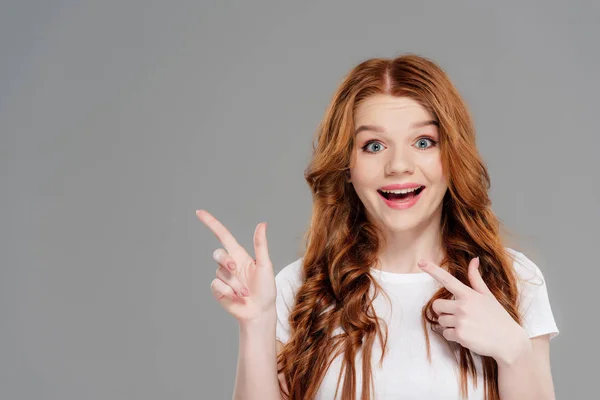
x,y
237,272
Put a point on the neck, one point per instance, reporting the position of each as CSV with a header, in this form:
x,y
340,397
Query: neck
x,y
403,250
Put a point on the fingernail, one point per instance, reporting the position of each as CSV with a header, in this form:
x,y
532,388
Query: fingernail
x,y
231,266
477,261
246,292
422,263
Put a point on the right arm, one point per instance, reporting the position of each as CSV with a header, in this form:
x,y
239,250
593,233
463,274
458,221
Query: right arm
x,y
246,288
256,377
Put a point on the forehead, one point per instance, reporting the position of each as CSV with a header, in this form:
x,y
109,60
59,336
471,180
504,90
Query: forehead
x,y
384,109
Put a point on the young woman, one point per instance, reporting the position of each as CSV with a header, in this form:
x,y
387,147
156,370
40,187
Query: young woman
x,y
405,290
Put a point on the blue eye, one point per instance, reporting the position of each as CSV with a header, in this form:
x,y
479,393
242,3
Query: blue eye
x,y
422,143
375,148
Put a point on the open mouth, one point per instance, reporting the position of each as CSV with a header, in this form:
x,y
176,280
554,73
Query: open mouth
x,y
401,196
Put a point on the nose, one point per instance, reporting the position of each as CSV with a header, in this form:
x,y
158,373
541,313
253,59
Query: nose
x,y
400,161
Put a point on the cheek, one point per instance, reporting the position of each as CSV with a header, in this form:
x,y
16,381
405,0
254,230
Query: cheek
x,y
432,168
364,171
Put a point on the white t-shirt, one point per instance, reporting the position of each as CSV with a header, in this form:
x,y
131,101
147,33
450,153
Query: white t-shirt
x,y
406,374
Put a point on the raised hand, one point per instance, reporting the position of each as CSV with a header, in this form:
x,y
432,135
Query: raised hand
x,y
475,318
244,286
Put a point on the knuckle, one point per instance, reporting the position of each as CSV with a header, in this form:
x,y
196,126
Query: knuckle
x,y
214,288
237,284
220,255
458,333
220,289
445,334
221,274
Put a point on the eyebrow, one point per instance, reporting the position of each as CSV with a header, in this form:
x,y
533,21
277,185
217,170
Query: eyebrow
x,y
376,128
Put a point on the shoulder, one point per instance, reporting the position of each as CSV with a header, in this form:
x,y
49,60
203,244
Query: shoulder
x,y
287,281
290,277
533,302
528,273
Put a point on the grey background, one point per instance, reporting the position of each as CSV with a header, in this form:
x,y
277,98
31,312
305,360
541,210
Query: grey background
x,y
118,119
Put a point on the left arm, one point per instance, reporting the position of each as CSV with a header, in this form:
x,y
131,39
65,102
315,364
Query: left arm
x,y
476,320
525,374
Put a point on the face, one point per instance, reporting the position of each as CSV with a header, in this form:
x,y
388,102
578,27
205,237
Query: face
x,y
396,151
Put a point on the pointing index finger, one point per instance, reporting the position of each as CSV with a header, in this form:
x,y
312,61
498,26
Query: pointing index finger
x,y
224,236
450,282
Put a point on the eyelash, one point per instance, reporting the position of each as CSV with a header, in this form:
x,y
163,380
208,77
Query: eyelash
x,y
433,144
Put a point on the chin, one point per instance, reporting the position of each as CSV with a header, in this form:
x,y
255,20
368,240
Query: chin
x,y
397,223
404,226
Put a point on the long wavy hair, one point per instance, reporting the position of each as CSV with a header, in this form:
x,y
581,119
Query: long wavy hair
x,y
342,245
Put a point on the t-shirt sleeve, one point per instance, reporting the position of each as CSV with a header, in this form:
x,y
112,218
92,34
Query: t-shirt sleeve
x,y
534,304
287,281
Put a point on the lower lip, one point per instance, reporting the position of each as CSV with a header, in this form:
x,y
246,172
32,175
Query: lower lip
x,y
404,205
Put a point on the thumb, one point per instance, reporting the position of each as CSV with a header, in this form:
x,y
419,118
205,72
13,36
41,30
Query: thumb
x,y
261,248
475,278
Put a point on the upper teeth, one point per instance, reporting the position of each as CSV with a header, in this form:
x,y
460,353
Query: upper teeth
x,y
400,191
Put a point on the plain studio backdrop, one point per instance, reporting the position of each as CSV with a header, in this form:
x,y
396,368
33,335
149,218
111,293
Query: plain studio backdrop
x,y
118,119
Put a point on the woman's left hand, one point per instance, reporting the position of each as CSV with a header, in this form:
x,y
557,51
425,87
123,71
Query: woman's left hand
x,y
475,318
